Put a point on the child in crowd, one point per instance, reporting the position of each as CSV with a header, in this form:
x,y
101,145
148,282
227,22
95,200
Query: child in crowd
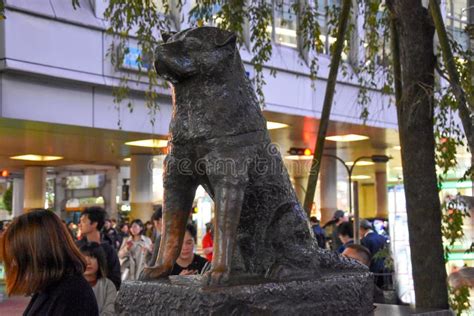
x,y
96,275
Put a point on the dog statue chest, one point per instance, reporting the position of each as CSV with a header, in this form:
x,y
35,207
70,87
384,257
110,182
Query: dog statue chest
x,y
209,112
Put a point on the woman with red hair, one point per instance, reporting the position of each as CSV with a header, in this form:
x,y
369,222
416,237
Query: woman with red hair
x,y
41,259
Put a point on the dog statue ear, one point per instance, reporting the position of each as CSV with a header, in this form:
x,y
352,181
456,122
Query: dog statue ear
x,y
231,38
165,36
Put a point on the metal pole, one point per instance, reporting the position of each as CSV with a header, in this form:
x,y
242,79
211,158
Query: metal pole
x,y
354,186
356,209
348,174
350,192
356,213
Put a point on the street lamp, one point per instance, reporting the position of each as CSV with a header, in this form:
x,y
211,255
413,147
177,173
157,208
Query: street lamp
x,y
373,158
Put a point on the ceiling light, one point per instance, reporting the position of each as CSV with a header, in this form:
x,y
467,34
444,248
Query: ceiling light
x,y
275,125
360,163
127,159
347,138
154,143
298,157
32,157
361,177
285,31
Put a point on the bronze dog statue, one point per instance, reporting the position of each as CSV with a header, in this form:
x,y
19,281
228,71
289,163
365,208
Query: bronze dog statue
x,y
218,139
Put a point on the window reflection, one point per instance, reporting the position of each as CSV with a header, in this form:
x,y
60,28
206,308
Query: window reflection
x,y
285,23
159,6
457,20
324,7
210,14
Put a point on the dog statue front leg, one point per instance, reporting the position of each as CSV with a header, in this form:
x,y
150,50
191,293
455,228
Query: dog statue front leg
x,y
228,206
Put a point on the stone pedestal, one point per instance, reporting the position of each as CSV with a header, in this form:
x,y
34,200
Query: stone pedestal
x,y
344,293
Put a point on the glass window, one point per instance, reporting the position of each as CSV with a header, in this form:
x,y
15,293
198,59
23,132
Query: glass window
x,y
382,38
211,14
285,23
457,20
383,54
159,6
324,7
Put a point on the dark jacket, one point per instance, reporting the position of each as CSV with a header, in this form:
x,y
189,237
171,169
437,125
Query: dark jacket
x,y
344,246
320,236
151,257
197,264
113,263
374,242
70,296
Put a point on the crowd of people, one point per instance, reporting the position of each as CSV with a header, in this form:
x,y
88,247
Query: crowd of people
x,y
78,269
371,251
129,247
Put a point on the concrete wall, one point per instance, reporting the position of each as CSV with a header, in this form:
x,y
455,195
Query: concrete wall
x,y
37,99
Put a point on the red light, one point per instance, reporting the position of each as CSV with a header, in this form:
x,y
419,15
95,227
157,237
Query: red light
x,y
4,173
307,152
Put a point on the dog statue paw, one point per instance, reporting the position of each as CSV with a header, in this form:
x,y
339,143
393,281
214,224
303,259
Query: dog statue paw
x,y
153,273
216,277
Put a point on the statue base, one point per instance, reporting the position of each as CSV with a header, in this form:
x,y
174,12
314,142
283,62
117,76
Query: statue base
x,y
343,293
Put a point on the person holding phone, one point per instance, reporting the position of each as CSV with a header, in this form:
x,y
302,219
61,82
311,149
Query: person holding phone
x,y
189,263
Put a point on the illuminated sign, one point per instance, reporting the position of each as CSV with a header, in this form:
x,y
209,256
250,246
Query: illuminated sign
x,y
131,59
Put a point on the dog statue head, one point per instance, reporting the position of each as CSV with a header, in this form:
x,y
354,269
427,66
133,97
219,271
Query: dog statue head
x,y
197,51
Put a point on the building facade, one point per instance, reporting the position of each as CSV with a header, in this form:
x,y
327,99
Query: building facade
x,y
56,82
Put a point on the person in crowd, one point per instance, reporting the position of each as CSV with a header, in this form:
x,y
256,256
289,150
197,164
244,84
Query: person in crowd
x,y
110,234
91,223
362,254
157,219
188,262
149,229
338,218
462,277
369,238
96,274
124,229
346,235
41,259
374,242
133,252
357,252
72,228
208,242
318,231
124,232
114,223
